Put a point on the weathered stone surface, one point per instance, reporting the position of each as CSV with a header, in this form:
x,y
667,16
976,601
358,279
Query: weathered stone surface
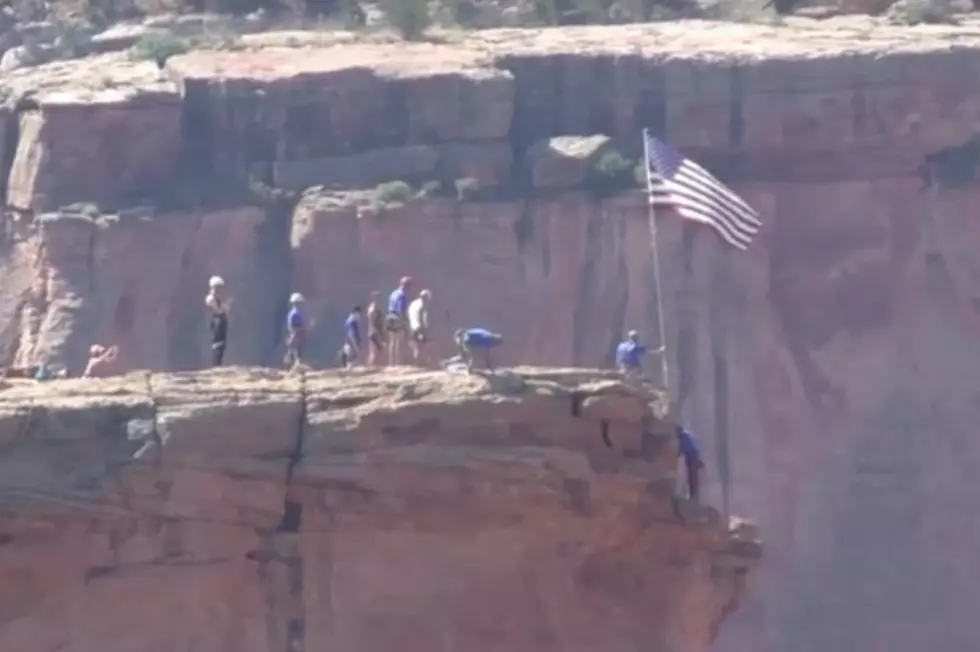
x,y
565,161
412,162
826,365
100,148
265,511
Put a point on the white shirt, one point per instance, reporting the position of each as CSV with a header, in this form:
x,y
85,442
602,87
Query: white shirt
x,y
418,315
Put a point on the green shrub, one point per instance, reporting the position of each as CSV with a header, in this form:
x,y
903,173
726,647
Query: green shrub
x,y
393,192
159,47
467,188
611,173
410,17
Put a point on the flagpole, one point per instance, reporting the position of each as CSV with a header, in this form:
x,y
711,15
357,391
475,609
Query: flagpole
x,y
652,213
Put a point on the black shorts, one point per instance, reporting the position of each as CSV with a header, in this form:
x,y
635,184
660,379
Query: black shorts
x,y
394,323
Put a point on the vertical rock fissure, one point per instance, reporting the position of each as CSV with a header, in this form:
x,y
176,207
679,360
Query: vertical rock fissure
x,y
583,304
687,336
10,140
718,320
280,558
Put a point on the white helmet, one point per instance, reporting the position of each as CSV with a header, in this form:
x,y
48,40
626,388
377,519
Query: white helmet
x,y
295,298
216,281
425,294
633,335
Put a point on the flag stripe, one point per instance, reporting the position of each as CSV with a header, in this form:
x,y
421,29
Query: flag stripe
x,y
679,182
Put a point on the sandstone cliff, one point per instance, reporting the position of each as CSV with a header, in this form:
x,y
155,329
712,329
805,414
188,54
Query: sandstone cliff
x,y
824,368
248,510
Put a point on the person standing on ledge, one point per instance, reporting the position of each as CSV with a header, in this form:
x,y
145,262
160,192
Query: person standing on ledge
x,y
477,341
376,329
351,350
296,329
218,304
418,324
629,355
688,449
396,321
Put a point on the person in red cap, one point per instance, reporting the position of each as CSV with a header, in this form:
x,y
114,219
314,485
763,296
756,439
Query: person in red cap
x,y
396,321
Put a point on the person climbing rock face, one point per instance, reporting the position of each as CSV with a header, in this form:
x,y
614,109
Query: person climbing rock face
x,y
418,324
688,449
296,329
376,328
396,321
100,359
629,355
218,303
477,343
351,349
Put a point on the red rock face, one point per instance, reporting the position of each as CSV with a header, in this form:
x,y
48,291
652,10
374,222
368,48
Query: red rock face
x,y
256,511
826,371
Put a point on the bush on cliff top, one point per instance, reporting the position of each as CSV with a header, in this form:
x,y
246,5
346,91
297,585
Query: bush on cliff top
x,y
410,17
159,47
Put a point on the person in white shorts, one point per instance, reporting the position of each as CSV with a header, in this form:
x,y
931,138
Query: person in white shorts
x,y
418,323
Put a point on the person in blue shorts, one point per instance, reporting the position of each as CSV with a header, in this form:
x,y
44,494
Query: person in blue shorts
x,y
473,342
296,330
351,349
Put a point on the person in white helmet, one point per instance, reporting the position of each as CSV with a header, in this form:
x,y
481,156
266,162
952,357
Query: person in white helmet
x,y
418,323
296,328
218,303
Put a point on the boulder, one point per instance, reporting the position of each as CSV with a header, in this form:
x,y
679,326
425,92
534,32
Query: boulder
x,y
565,161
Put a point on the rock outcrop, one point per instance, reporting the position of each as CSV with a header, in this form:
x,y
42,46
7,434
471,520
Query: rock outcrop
x,y
824,369
248,510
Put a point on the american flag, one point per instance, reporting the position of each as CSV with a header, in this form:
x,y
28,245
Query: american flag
x,y
679,182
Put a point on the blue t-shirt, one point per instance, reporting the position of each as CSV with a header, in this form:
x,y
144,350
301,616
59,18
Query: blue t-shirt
x,y
481,338
352,329
686,445
629,353
294,320
398,302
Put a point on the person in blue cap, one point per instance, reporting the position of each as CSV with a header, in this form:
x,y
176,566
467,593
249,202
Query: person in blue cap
x,y
688,449
473,342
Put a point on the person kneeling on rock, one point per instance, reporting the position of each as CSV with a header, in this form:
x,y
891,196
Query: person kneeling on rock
x,y
688,449
100,359
473,342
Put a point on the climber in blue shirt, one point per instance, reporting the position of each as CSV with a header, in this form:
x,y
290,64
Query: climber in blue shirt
x,y
629,355
396,321
477,341
296,329
688,449
351,349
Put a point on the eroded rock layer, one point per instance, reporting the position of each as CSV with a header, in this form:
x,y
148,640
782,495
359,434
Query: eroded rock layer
x,y
252,511
824,370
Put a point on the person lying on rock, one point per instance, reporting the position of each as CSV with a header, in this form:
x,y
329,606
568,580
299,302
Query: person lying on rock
x,y
688,449
218,304
477,342
296,330
629,355
396,321
351,349
418,324
376,329
100,359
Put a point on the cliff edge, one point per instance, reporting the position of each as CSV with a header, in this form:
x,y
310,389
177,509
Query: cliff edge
x,y
247,510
